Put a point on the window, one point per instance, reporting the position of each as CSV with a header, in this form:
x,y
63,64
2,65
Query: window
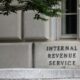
x,y
67,26
69,19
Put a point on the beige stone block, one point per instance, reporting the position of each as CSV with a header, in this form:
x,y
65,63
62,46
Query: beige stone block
x,y
15,55
57,54
35,29
10,26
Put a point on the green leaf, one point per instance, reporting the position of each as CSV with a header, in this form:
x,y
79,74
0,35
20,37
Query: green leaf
x,y
41,6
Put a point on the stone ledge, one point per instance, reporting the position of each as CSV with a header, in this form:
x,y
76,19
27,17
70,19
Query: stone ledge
x,y
22,73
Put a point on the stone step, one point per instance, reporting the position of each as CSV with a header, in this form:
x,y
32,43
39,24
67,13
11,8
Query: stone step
x,y
27,73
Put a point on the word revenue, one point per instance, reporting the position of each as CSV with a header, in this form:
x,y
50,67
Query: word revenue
x,y
62,55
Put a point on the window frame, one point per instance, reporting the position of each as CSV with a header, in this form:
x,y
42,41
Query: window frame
x,y
59,24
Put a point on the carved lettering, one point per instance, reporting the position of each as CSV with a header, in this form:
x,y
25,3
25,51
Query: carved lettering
x,y
61,48
62,55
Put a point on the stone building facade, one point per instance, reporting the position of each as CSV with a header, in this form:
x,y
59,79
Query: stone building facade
x,y
52,44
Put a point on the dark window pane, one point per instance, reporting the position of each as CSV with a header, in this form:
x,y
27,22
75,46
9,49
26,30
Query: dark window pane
x,y
71,6
71,24
71,20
